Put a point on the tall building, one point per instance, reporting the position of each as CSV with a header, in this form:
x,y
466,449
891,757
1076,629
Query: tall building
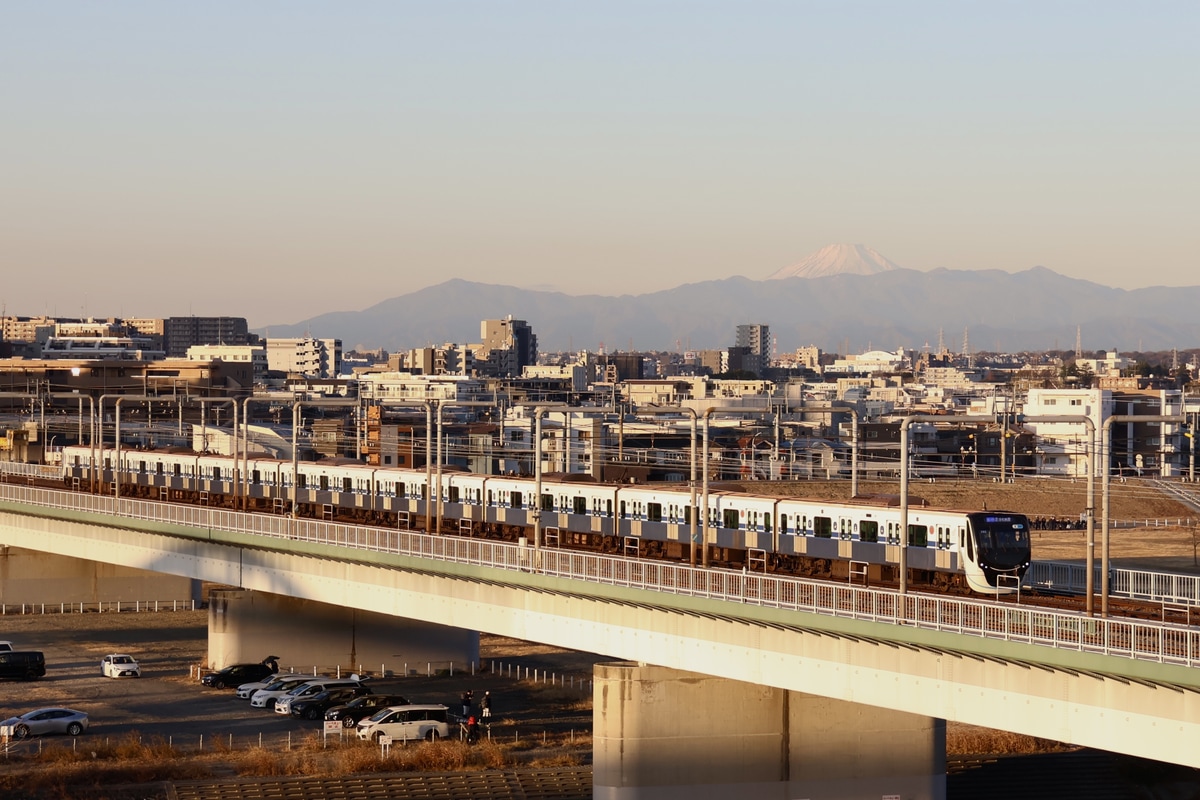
x,y
509,345
756,339
181,333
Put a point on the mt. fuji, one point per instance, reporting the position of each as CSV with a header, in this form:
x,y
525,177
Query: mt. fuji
x,y
837,259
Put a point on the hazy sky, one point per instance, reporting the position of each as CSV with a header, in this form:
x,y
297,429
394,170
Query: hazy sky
x,y
276,160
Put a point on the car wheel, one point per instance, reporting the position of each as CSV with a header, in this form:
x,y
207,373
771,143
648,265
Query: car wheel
x,y
312,713
347,722
74,729
21,732
218,684
432,736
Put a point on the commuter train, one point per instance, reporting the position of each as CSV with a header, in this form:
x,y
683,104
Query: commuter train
x,y
988,551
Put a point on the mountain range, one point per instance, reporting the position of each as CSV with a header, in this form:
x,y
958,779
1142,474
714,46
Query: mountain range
x,y
837,309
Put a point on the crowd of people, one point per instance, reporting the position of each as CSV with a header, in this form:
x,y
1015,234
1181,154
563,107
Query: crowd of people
x,y
1057,524
468,713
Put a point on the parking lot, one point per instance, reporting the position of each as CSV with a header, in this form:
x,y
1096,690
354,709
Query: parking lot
x,y
165,703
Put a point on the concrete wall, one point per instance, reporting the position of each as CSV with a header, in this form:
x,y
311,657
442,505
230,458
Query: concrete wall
x,y
246,626
31,577
663,734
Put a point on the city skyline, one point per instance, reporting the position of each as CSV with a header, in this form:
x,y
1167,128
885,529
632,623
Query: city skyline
x,y
277,162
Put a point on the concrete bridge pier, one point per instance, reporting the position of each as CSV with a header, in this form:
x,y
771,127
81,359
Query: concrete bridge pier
x,y
663,734
247,626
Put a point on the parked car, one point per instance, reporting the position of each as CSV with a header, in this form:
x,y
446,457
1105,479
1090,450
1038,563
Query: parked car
x,y
47,720
236,675
406,723
6,647
283,704
362,707
25,664
119,665
270,683
314,706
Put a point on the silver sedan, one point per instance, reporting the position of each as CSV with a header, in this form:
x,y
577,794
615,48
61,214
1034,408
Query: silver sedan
x,y
47,720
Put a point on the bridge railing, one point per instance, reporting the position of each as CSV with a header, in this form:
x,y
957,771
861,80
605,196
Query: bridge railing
x,y
1156,587
1160,642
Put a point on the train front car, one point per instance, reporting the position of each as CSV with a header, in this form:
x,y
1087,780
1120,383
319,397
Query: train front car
x,y
997,551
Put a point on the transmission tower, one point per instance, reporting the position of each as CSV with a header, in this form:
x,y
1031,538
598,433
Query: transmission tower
x,y
1079,341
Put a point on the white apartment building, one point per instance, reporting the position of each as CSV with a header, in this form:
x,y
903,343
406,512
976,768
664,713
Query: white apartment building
x,y
1062,447
255,355
404,386
313,358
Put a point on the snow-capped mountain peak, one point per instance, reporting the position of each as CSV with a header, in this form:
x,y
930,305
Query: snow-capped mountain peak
x,y
836,259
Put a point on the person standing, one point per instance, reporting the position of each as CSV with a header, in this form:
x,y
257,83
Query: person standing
x,y
485,706
466,703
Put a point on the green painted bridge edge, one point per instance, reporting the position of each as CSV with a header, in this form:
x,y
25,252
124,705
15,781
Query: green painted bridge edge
x,y
884,633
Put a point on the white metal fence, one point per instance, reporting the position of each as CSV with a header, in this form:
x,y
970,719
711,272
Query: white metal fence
x,y
1149,641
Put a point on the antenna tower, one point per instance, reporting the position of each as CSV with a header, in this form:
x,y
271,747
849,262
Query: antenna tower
x,y
1079,341
966,351
941,351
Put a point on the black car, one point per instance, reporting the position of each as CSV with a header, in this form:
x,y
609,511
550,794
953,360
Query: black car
x,y
363,707
314,707
236,675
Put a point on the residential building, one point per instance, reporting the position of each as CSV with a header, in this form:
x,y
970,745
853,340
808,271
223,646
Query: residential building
x,y
314,358
509,345
254,355
756,339
180,333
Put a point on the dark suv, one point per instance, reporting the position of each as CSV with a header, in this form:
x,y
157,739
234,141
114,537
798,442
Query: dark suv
x,y
314,707
236,675
363,707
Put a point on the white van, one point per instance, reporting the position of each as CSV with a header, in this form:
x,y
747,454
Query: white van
x,y
406,723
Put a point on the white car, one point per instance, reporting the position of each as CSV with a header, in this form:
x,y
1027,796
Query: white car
x,y
120,665
247,690
303,691
406,723
266,696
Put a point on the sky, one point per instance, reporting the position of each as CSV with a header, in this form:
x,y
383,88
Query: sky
x,y
278,160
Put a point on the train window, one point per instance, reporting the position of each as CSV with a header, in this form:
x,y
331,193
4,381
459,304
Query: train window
x,y
654,512
608,508
491,498
918,535
302,480
687,515
323,481
547,502
579,505
453,494
158,468
216,473
178,470
783,528
516,501
622,509
731,519
822,527
255,476
77,461
108,463
347,484
767,523
868,531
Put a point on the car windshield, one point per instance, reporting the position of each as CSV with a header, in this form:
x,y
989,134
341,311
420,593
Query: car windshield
x,y
122,660
380,714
